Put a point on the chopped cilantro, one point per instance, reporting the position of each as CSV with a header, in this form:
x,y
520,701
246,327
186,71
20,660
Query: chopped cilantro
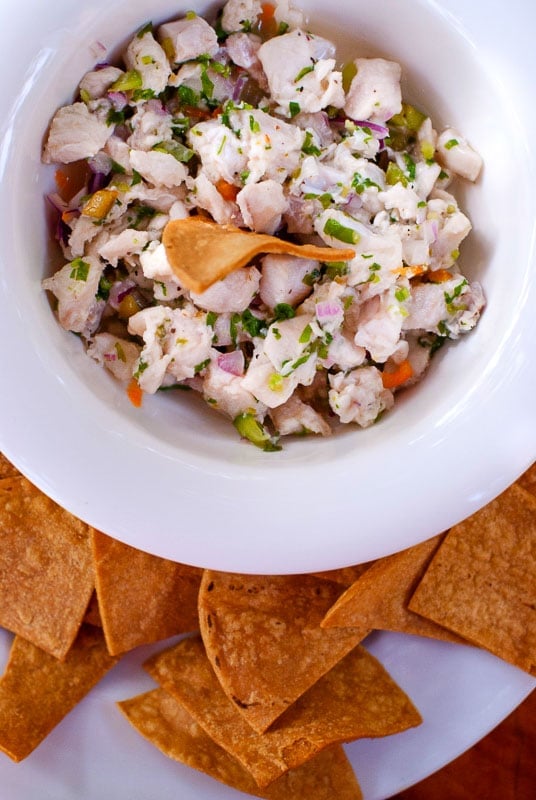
x,y
308,147
306,335
294,108
284,311
253,124
79,270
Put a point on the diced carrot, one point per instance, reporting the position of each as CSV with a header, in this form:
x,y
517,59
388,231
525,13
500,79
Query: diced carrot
x,y
267,13
410,272
135,394
266,22
398,376
195,113
227,190
440,275
63,182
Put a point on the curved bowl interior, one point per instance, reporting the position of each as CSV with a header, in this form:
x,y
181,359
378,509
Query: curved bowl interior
x,y
172,478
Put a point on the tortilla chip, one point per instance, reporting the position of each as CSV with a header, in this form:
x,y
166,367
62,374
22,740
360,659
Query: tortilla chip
x,y
481,582
46,569
356,699
142,598
7,470
345,576
528,480
263,637
166,723
92,615
379,598
37,691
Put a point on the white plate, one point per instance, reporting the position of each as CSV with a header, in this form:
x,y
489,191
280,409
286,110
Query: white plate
x,y
461,692
172,478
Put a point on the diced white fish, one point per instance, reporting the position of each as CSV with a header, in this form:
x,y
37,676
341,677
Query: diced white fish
x,y
301,71
233,293
206,196
150,127
451,232
118,151
266,147
374,92
145,55
262,205
225,392
240,14
243,49
286,13
378,255
359,396
402,199
343,353
269,385
188,38
457,155
118,355
75,133
97,82
449,308
282,279
126,243
75,286
176,341
160,169
156,197
155,264
287,343
296,417
83,230
380,323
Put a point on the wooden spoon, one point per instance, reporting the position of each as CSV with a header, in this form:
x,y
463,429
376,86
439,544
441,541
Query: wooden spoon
x,y
201,252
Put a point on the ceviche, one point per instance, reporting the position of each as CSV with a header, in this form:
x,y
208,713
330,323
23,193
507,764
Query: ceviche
x,y
249,120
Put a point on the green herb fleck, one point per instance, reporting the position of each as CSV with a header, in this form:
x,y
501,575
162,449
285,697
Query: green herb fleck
x,y
79,270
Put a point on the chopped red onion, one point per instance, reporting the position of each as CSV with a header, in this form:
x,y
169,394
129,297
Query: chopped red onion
x,y
238,87
119,291
232,362
374,127
119,100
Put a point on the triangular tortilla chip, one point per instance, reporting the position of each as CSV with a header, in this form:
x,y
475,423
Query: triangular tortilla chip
x,y
356,699
527,481
379,598
37,690
46,569
7,470
482,581
344,575
263,637
92,615
165,723
142,598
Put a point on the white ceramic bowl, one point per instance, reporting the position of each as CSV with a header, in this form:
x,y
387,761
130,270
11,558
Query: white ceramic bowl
x,y
173,478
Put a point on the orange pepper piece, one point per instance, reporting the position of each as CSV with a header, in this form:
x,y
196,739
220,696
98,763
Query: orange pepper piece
x,y
135,394
227,190
402,373
440,275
